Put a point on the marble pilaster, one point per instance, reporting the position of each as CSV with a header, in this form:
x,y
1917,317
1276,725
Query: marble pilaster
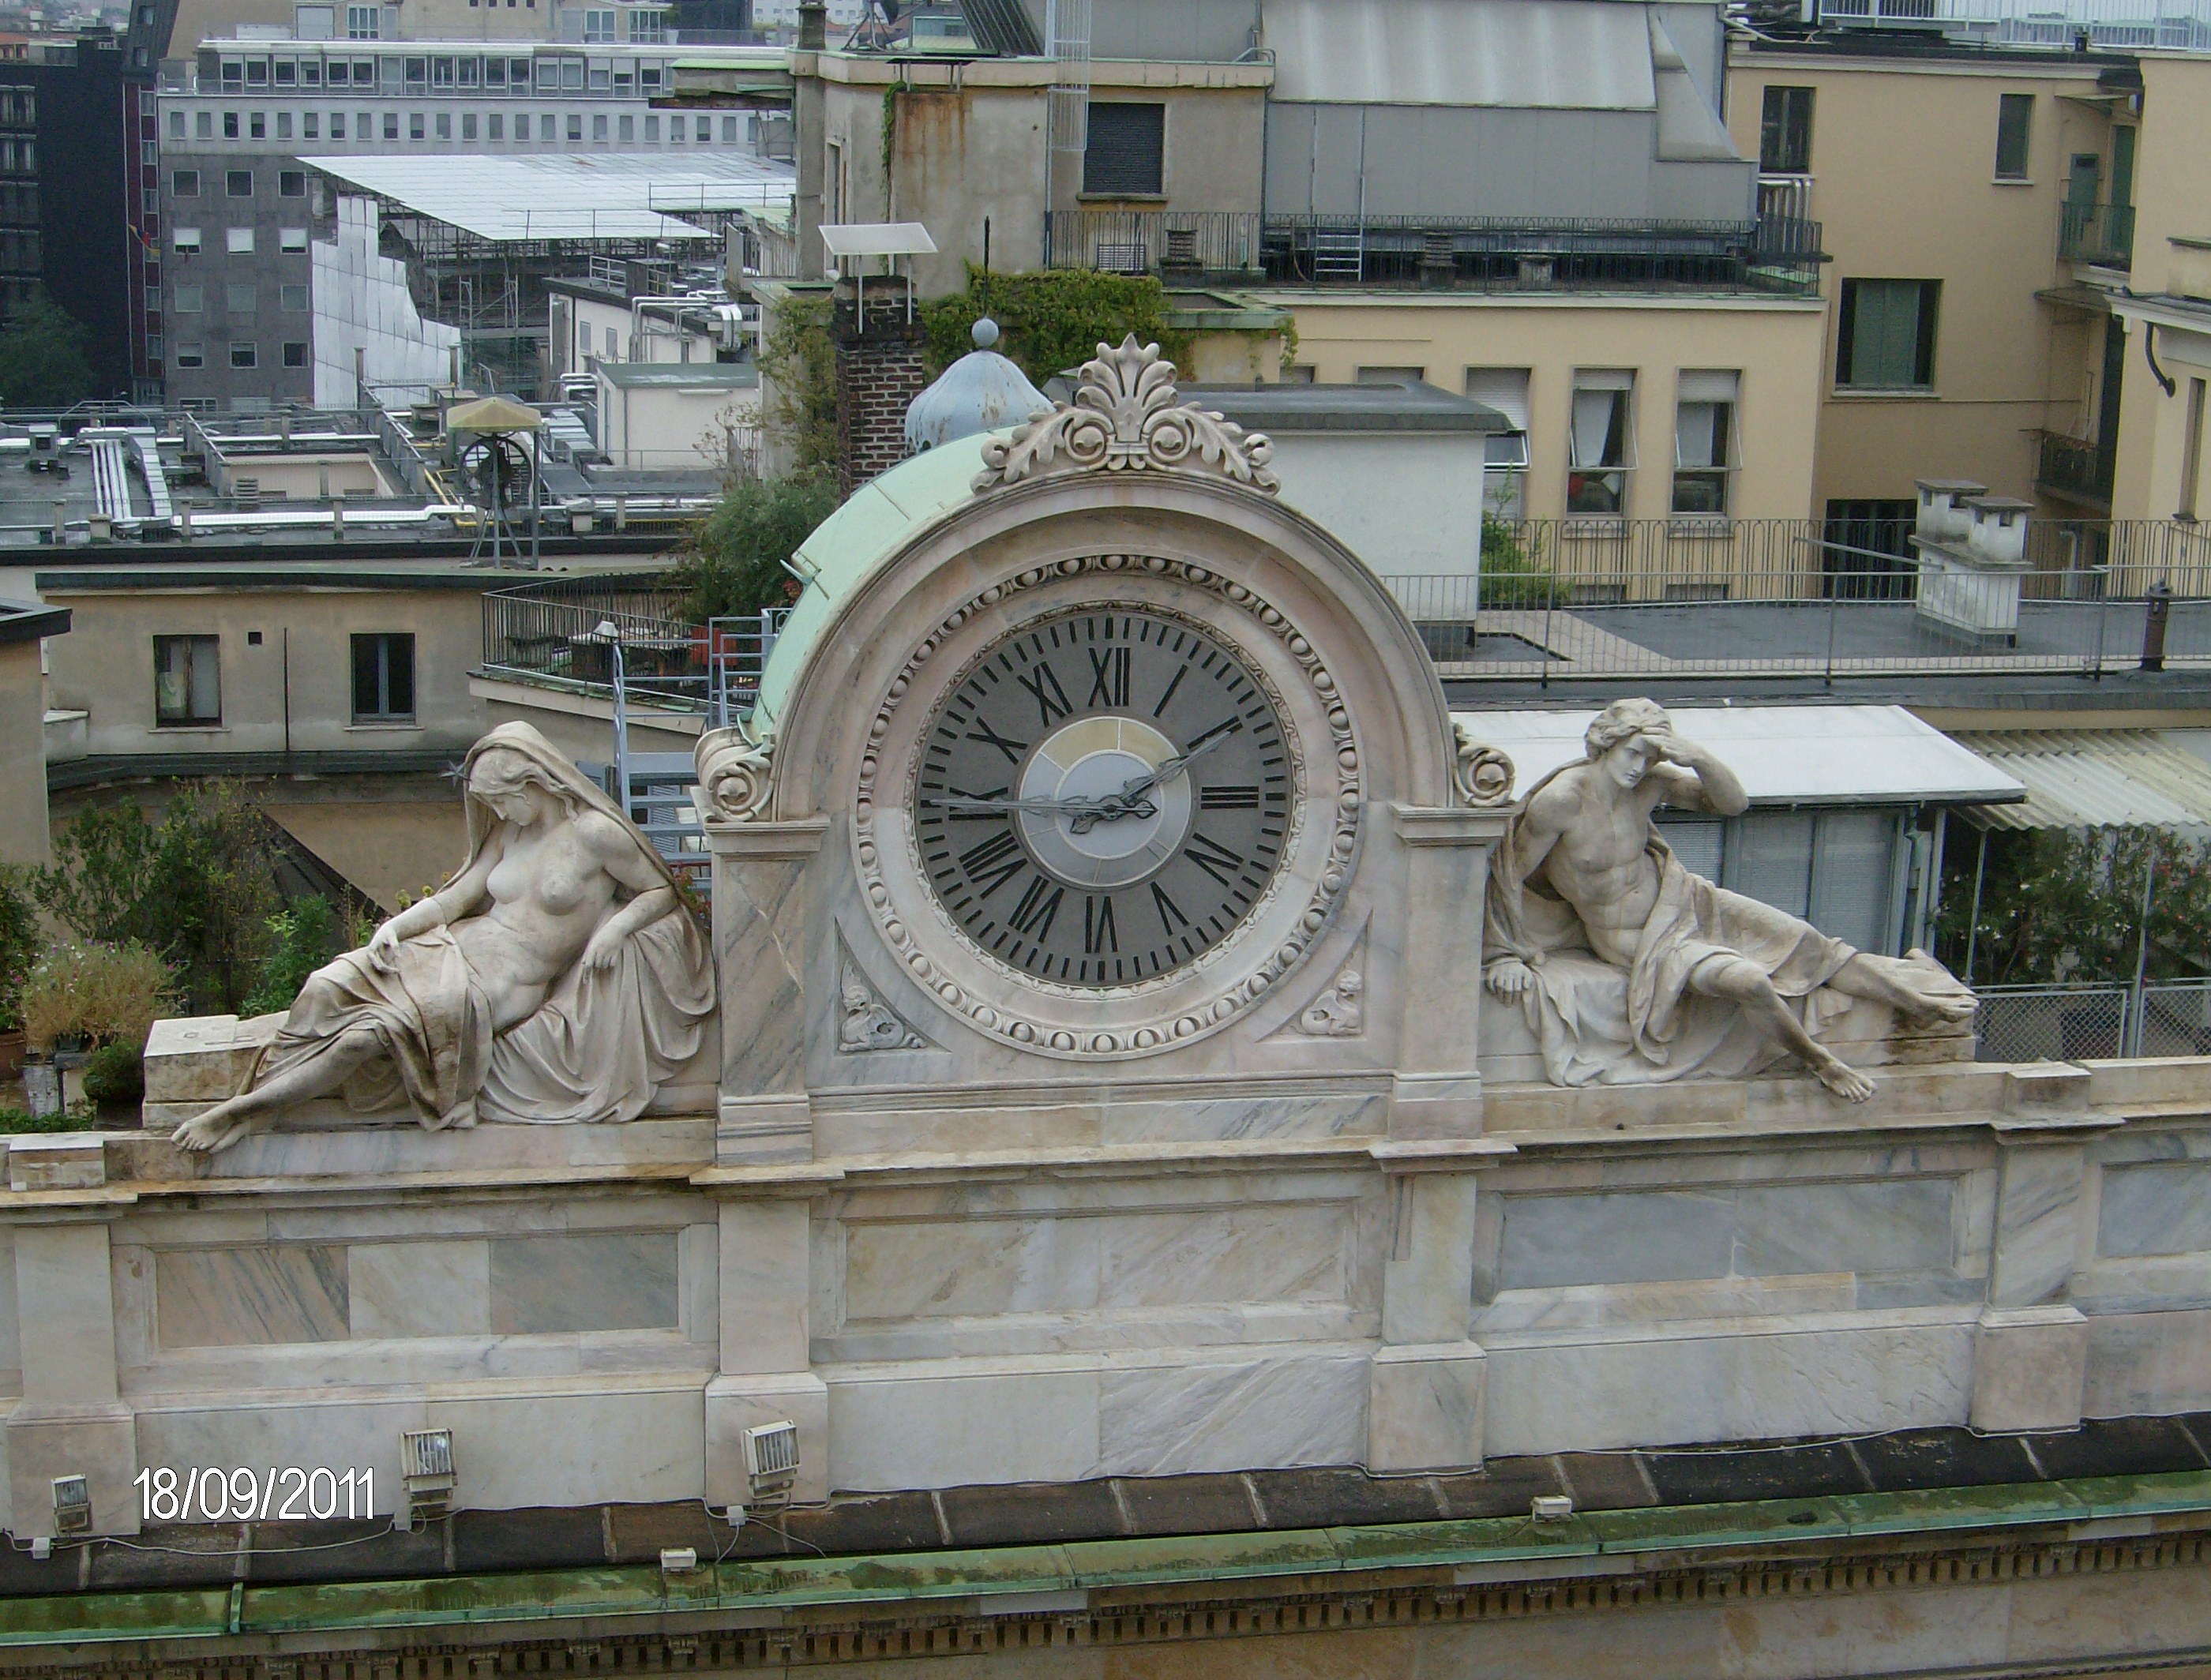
x,y
1437,1091
70,1420
760,924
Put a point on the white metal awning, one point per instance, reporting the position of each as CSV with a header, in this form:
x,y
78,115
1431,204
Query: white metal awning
x,y
567,196
2098,778
1784,755
878,238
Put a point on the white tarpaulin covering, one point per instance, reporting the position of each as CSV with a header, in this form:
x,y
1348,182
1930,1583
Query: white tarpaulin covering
x,y
570,195
1583,55
1784,755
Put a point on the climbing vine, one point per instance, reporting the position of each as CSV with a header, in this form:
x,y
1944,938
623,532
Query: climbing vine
x,y
798,361
1051,320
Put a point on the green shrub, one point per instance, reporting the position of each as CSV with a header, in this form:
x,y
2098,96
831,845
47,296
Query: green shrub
x,y
300,941
20,941
799,363
197,888
18,1121
105,994
739,560
116,1073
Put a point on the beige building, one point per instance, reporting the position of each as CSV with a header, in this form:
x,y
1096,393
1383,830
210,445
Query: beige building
x,y
2010,229
1648,369
24,629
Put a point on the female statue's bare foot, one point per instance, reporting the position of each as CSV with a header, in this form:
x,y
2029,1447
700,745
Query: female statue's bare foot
x,y
1845,1081
211,1130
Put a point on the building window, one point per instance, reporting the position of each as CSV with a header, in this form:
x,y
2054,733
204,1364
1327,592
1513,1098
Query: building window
x,y
257,126
1885,335
1505,453
468,125
625,129
444,126
293,241
238,241
187,299
338,126
203,124
176,126
230,126
414,125
184,238
245,355
1391,376
292,299
283,125
648,25
192,355
362,21
495,126
1127,151
598,26
295,354
471,71
576,127
292,183
614,345
1602,440
383,679
238,184
599,128
2014,127
1784,132
1703,440
729,131
311,125
651,129
187,681
441,73
184,184
705,131
237,297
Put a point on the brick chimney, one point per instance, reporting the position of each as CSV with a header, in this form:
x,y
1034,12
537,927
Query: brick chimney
x,y
879,374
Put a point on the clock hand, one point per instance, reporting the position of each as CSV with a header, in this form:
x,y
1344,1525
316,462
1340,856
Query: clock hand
x,y
1104,807
1174,766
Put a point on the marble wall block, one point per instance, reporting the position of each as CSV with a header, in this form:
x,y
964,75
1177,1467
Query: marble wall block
x,y
2038,1233
1230,1413
1425,1408
99,1443
2147,1363
65,1312
1427,1282
2030,1368
974,1421
544,1286
1087,1262
1830,1375
244,1296
765,1292
419,1289
632,1442
1753,1229
2155,1207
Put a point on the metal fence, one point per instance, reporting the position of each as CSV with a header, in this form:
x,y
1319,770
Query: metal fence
x,y
1772,253
566,633
1692,596
2160,1018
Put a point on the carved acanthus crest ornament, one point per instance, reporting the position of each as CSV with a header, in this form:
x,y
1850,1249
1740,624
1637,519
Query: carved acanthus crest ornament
x,y
734,772
1483,774
1124,419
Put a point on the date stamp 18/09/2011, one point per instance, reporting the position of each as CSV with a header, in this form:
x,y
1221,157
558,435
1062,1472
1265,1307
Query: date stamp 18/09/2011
x,y
278,1494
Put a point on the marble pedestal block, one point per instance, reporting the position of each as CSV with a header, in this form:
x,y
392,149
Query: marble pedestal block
x,y
2029,1366
1425,1408
736,1404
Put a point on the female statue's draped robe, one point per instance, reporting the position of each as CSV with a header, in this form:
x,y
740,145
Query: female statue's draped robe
x,y
597,1048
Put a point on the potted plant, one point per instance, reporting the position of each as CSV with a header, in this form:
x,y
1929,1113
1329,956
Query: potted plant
x,y
80,1001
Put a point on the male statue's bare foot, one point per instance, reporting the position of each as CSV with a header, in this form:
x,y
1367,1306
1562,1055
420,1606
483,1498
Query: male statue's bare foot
x,y
1845,1081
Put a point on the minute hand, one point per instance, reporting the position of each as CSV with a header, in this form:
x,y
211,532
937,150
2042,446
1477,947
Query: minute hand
x,y
1173,766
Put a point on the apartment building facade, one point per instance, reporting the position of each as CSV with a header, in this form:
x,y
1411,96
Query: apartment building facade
x,y
1534,202
2011,229
242,203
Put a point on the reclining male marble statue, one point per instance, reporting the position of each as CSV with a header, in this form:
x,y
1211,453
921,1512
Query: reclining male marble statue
x,y
558,976
1630,968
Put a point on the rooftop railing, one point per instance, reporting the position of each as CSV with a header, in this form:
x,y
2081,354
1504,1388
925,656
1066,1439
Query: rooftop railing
x,y
1562,601
2100,233
1773,253
2184,25
562,633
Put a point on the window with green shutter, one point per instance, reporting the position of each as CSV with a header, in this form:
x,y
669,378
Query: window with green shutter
x,y
1885,339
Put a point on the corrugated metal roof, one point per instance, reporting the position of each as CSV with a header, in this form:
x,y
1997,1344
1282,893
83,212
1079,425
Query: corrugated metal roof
x,y
1782,755
1585,55
2096,778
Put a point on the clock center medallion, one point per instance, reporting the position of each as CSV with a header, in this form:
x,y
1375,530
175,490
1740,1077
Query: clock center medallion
x,y
1119,819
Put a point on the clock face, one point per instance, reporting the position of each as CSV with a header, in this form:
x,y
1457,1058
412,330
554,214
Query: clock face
x,y
1102,796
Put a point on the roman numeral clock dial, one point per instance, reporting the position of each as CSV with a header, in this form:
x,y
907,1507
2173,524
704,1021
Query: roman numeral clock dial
x,y
1103,797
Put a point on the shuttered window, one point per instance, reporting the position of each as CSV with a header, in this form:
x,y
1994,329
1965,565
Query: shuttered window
x,y
1127,152
1886,337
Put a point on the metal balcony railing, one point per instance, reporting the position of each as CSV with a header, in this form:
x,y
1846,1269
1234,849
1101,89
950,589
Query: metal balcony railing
x,y
2099,233
1774,253
2077,466
2179,25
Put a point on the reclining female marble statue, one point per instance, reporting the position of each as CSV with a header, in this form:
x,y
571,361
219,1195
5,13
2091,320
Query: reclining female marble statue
x,y
1613,947
559,976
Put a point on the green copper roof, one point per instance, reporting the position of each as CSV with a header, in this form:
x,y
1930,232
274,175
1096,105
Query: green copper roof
x,y
851,544
886,1580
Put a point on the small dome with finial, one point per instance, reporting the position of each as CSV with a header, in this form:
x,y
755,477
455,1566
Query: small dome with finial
x,y
980,392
